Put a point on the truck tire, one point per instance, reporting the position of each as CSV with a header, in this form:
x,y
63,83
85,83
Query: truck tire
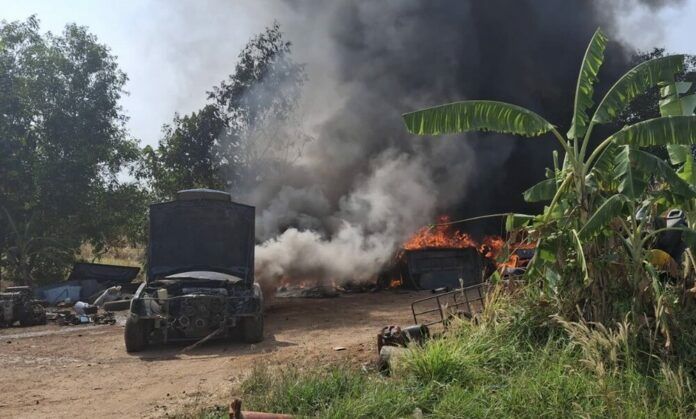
x,y
135,335
252,329
118,305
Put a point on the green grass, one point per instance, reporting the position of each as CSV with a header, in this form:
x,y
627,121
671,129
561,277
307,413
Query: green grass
x,y
489,370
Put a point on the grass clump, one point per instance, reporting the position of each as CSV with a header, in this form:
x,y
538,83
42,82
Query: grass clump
x,y
492,368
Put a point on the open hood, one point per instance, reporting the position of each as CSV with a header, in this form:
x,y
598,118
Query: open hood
x,y
200,233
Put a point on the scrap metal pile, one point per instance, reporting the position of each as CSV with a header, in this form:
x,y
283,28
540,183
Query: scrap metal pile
x,y
71,316
17,305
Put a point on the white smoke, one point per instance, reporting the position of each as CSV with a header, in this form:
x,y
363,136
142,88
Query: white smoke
x,y
371,222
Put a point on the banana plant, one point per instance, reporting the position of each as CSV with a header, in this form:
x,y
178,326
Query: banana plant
x,y
574,179
486,115
592,188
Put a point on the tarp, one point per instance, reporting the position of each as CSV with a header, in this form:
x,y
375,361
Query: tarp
x,y
59,293
86,280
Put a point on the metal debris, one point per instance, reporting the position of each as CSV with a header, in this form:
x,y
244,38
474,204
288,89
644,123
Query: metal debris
x,y
70,318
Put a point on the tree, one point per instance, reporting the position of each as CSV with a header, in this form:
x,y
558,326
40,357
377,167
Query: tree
x,y
63,144
258,100
186,157
592,244
245,129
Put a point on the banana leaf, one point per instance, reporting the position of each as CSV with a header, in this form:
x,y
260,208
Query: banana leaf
x,y
542,191
591,63
636,82
611,208
476,115
658,131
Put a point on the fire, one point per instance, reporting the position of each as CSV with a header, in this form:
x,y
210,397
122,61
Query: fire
x,y
439,236
444,235
514,260
395,282
491,247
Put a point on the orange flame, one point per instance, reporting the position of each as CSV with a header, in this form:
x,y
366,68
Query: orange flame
x,y
443,235
439,236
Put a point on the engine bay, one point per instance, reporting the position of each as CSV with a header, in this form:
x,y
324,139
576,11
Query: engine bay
x,y
191,309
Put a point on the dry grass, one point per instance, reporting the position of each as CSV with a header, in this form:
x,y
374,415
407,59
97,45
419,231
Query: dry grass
x,y
126,255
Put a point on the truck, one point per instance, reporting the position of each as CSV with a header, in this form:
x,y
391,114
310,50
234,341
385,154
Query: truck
x,y
200,274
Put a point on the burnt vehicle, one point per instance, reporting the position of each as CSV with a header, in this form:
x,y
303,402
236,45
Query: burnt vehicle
x,y
200,273
434,268
17,305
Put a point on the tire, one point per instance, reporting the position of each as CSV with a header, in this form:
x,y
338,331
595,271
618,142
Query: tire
x,y
252,329
118,305
25,316
135,335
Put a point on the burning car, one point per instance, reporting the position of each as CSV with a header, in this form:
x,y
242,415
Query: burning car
x,y
200,275
442,257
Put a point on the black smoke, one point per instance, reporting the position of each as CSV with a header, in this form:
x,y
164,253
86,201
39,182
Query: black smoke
x,y
364,183
393,57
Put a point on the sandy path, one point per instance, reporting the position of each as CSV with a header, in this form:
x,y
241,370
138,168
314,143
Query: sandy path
x,y
84,370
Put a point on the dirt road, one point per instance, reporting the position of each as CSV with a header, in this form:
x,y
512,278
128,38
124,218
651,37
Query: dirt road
x,y
53,371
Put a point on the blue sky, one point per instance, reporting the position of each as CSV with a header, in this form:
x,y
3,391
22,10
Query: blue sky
x,y
153,48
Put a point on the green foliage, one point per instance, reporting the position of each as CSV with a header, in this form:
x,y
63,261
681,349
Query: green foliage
x,y
635,168
591,63
678,153
494,368
476,115
593,259
635,83
63,146
610,209
542,191
646,106
658,131
246,129
598,331
186,156
258,101
335,391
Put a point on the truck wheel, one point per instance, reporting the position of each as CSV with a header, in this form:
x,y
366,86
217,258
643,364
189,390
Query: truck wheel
x,y
252,329
135,335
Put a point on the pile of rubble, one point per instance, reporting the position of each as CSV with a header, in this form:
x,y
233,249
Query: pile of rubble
x,y
68,317
68,314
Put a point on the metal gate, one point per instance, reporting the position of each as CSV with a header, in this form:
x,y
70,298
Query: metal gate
x,y
463,303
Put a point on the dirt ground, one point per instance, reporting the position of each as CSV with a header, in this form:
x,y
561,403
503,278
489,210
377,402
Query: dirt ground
x,y
71,371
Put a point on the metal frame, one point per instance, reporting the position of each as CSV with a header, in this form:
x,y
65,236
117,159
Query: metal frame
x,y
451,296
